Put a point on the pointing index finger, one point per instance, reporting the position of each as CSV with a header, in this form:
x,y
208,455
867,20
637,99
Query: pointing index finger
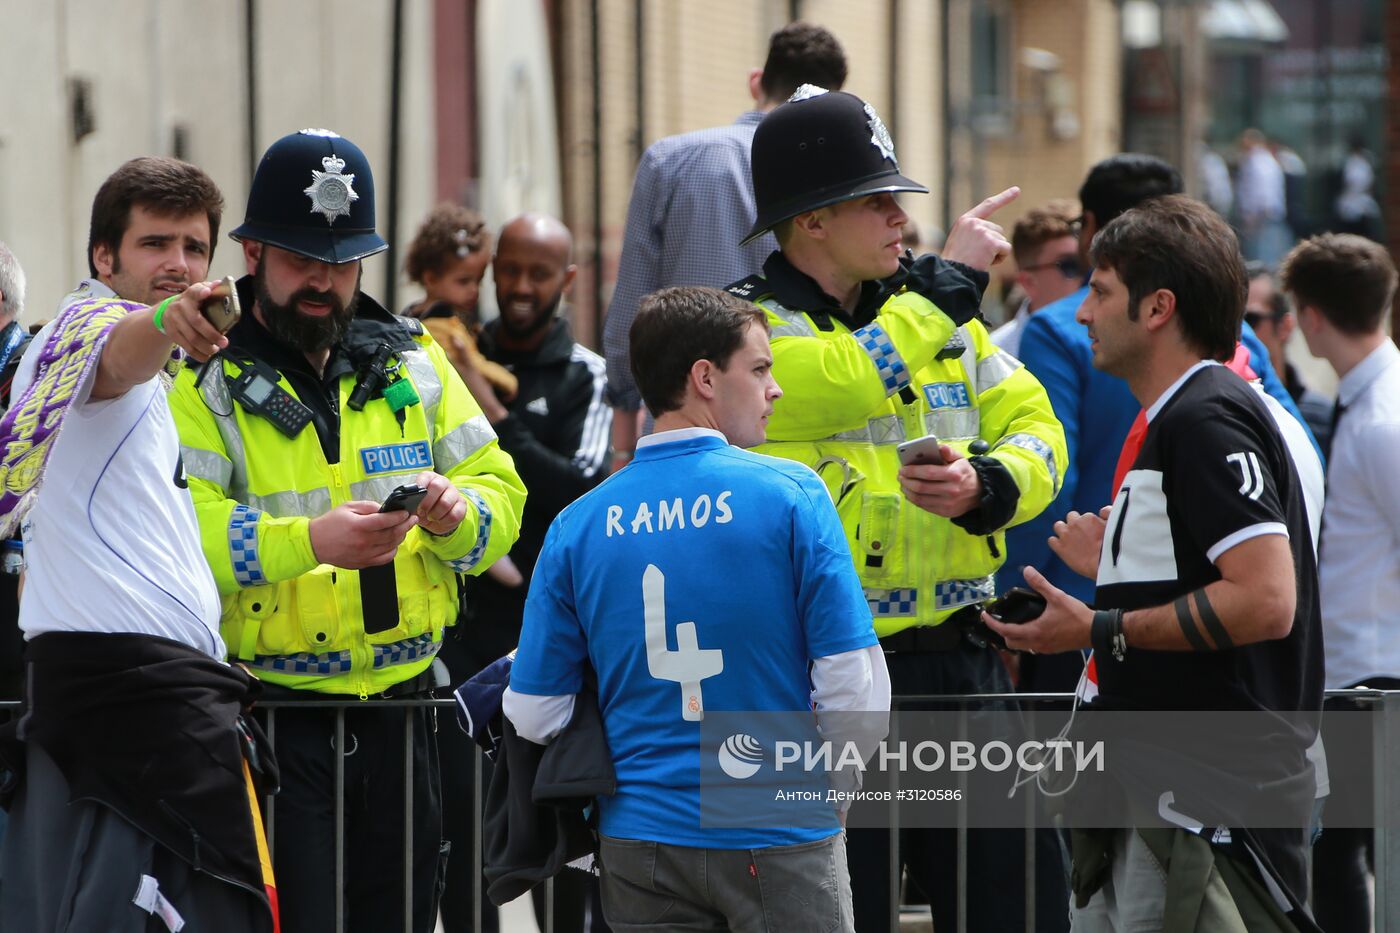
x,y
995,203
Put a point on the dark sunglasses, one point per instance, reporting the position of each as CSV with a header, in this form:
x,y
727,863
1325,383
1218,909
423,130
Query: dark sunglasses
x,y
1069,267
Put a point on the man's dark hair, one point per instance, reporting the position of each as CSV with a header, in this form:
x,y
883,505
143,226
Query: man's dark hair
x,y
1181,245
674,328
1278,301
1348,278
165,187
1124,181
798,54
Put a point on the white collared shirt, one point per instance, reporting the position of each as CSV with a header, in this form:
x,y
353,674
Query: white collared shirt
x,y
1008,335
1360,567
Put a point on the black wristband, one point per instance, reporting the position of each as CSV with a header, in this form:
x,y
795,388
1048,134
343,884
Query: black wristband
x,y
1106,634
1101,632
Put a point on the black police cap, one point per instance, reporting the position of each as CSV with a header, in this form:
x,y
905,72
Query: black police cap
x,y
313,194
820,148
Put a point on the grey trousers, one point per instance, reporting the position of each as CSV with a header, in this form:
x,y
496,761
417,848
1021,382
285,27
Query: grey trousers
x,y
662,888
75,868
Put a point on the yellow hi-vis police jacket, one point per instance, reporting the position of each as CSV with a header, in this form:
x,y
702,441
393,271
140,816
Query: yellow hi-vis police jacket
x,y
850,397
293,620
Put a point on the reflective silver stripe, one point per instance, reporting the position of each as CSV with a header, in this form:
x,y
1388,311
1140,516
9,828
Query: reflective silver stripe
x,y
950,594
881,431
993,370
426,381
461,442
795,323
206,465
220,405
793,329
1036,446
969,360
406,651
292,504
953,424
377,488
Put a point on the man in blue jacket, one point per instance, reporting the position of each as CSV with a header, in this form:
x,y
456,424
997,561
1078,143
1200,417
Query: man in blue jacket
x,y
1096,409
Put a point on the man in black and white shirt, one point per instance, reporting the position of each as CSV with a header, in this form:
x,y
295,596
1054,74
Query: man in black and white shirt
x,y
1207,580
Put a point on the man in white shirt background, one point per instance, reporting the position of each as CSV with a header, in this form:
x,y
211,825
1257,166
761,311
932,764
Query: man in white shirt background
x,y
1342,286
1045,244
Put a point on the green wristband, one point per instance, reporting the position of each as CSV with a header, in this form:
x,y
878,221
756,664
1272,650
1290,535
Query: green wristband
x,y
157,318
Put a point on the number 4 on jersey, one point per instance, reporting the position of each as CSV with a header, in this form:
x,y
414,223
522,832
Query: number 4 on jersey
x,y
689,663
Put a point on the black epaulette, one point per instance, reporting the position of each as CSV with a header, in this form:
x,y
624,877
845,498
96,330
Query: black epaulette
x,y
410,324
749,289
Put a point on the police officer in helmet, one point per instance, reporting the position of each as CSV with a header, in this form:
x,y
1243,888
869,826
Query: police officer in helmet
x,y
323,405
872,350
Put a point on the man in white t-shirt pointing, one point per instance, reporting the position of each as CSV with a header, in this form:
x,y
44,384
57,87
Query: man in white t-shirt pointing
x,y
132,714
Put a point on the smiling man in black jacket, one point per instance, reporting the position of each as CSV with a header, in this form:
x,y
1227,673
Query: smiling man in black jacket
x,y
557,429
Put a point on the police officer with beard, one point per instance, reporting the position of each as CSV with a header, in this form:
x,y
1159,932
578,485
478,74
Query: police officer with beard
x,y
323,405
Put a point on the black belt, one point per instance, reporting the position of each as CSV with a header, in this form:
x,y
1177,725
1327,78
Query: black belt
x,y
924,639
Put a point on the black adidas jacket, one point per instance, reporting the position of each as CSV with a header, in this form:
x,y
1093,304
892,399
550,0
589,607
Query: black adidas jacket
x,y
558,431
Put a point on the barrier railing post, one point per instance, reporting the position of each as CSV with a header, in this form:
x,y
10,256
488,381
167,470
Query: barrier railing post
x,y
1385,744
269,802
409,712
962,827
1030,853
478,908
892,891
339,819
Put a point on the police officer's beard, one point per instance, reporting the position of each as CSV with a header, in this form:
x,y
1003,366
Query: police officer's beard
x,y
309,334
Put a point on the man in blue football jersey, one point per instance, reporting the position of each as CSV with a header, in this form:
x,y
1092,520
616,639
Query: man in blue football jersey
x,y
667,539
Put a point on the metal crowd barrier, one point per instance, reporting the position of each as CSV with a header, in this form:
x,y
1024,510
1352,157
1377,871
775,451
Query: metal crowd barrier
x,y
1385,747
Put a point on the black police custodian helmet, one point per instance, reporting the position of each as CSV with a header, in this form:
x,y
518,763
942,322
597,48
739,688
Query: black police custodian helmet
x,y
821,147
313,194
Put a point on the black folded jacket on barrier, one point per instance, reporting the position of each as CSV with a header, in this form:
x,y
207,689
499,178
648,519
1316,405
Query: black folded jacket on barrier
x,y
535,822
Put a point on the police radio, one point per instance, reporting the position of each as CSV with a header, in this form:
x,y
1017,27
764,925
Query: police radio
x,y
256,389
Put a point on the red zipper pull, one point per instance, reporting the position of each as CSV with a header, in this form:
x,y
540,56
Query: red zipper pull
x,y
753,870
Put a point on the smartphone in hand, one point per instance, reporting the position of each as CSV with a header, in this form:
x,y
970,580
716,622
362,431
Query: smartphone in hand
x,y
223,311
1016,606
404,499
921,450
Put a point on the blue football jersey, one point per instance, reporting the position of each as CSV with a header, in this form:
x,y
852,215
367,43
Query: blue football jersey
x,y
700,578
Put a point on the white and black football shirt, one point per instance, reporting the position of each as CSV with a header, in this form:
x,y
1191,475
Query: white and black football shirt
x,y
1212,473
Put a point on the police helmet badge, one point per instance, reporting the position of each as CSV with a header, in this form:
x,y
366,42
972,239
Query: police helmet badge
x,y
330,191
879,136
806,92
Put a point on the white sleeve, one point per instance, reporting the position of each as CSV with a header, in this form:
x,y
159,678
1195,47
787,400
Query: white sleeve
x,y
851,695
538,719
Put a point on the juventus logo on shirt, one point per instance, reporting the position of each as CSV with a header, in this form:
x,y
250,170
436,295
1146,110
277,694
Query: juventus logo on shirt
x,y
1252,476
